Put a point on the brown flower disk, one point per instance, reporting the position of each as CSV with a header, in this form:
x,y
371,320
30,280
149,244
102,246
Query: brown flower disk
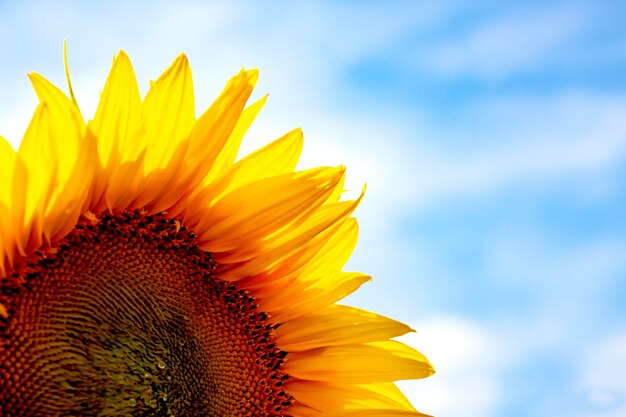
x,y
125,316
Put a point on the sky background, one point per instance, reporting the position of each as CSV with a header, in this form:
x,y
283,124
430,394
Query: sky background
x,y
492,138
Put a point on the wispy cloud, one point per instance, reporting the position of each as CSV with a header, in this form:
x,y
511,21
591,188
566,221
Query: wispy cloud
x,y
519,41
601,378
536,140
468,362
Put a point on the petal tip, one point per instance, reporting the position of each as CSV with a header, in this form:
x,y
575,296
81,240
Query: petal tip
x,y
121,56
252,75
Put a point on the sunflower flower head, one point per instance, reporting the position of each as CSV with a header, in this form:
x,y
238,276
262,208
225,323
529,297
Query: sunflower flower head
x,y
145,271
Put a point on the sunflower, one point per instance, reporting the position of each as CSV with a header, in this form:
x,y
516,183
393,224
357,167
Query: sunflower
x,y
146,272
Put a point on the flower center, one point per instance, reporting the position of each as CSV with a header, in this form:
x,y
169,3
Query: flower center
x,y
126,317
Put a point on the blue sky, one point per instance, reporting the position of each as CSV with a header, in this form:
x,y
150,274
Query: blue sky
x,y
492,137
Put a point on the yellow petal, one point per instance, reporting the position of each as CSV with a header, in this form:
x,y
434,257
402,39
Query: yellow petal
x,y
295,277
284,271
268,253
41,169
335,233
336,325
303,297
7,164
336,195
118,117
280,200
376,413
299,410
60,162
328,397
230,148
117,127
330,254
168,112
168,117
279,157
359,363
126,181
8,157
206,148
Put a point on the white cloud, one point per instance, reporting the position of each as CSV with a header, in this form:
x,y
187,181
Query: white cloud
x,y
601,378
526,141
468,360
531,258
505,45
